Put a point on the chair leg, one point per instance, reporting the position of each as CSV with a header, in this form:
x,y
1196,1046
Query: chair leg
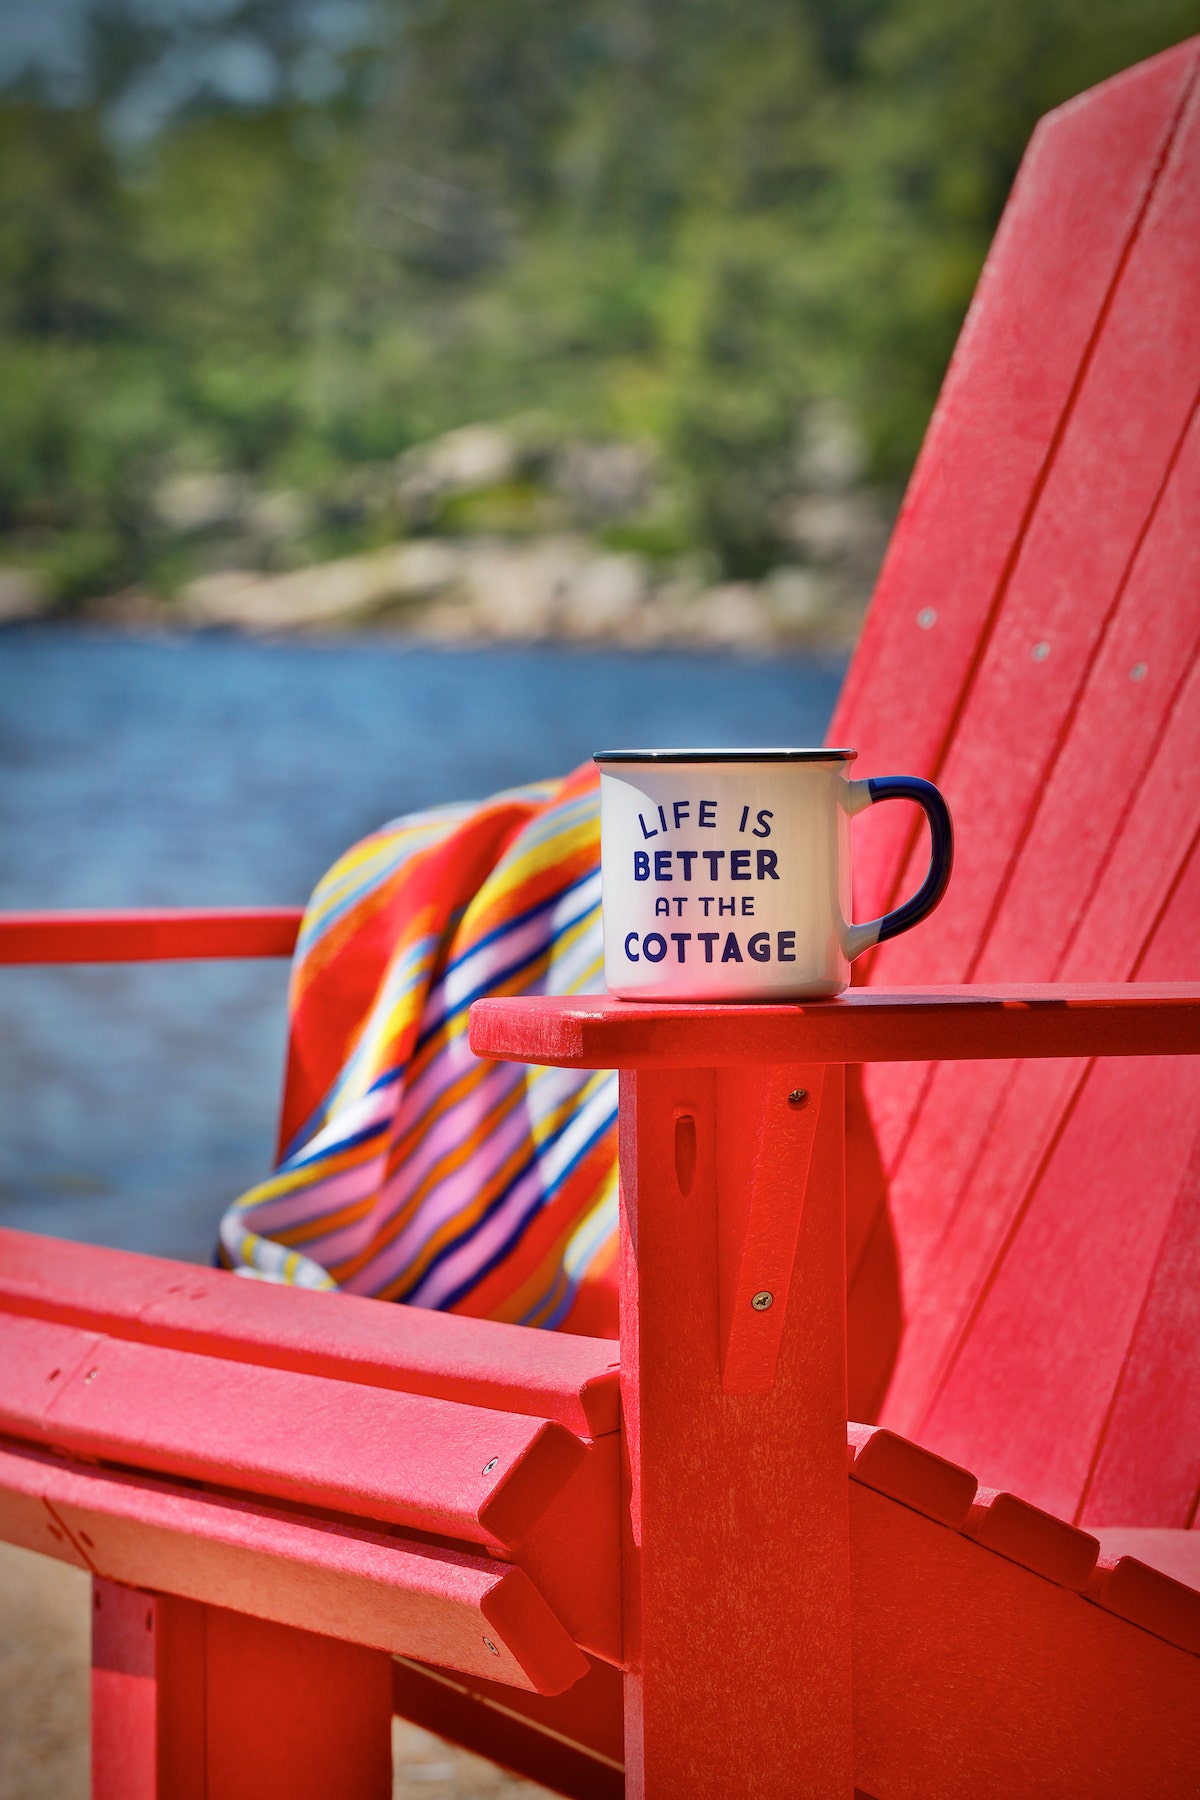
x,y
193,1702
737,1566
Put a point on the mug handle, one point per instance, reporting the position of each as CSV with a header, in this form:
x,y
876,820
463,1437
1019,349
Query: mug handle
x,y
862,794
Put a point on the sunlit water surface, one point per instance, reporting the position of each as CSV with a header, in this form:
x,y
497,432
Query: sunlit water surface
x,y
213,770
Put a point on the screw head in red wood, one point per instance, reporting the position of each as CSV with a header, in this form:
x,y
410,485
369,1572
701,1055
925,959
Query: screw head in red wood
x,y
489,1466
491,1646
798,1097
762,1300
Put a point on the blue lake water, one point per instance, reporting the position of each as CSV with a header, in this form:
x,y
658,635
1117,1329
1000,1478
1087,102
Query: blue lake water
x,y
215,770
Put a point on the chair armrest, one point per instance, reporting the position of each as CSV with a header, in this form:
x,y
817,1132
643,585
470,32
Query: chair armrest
x,y
157,934
951,1024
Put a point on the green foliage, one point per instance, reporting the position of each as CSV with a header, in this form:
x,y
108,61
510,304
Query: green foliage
x,y
678,221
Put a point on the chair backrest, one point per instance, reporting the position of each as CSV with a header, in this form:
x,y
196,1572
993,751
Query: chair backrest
x,y
1032,647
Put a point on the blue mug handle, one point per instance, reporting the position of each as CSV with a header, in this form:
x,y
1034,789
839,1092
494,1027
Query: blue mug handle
x,y
862,794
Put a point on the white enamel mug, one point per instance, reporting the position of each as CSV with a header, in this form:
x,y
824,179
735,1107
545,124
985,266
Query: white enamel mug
x,y
725,874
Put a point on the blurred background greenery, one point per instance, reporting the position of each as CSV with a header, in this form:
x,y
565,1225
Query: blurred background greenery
x,y
255,253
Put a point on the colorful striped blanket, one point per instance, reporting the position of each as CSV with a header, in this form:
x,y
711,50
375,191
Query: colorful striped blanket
x,y
408,1168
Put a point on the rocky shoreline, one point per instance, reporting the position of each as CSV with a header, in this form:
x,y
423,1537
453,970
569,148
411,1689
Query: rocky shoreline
x,y
558,589
483,536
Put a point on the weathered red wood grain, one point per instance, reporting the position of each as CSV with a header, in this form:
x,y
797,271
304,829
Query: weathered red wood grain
x,y
150,934
148,1299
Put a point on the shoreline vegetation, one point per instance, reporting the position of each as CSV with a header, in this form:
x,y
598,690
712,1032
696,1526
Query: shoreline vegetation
x,y
508,536
605,323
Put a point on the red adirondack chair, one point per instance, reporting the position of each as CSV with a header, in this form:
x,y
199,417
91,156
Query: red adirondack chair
x,y
303,1509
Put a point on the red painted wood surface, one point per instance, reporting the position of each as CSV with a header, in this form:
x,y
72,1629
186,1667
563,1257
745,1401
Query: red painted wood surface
x,y
466,1472
431,1601
1040,308
153,934
1146,1578
593,1031
124,1694
737,1568
193,1702
151,1300
973,1675
1025,1233
1042,597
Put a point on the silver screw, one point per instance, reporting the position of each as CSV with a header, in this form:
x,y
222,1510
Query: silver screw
x,y
1041,651
798,1097
927,618
762,1300
1138,672
491,1646
90,1376
494,1464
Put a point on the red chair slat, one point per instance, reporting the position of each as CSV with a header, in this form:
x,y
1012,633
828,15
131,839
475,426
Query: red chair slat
x,y
1026,1396
152,934
465,1472
478,1361
1148,1466
1037,1540
968,1221
1148,1598
1026,1258
914,1476
370,1588
1041,300
1117,452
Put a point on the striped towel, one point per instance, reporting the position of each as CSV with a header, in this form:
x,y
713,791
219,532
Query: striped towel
x,y
408,1168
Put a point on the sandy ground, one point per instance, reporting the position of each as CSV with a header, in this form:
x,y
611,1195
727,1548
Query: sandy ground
x,y
44,1653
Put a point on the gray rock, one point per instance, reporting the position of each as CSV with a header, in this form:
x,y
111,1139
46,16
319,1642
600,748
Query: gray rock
x,y
732,614
603,480
282,514
461,462
326,593
23,595
201,502
604,597
518,591
831,457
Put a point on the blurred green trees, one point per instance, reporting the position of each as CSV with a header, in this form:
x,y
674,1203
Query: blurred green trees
x,y
676,221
